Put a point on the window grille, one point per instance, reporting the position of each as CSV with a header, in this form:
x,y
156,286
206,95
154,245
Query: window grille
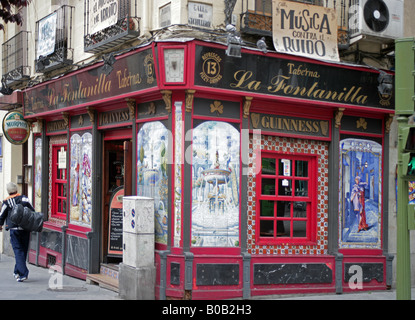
x,y
62,54
15,59
126,28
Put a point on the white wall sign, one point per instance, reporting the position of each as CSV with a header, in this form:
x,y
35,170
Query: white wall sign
x,y
165,16
62,159
200,14
305,30
46,36
102,14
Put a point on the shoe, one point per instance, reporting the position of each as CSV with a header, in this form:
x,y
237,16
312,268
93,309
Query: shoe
x,y
15,275
21,279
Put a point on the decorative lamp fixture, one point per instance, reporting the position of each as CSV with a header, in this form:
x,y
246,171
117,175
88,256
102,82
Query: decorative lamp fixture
x,y
109,61
42,63
5,90
385,83
233,41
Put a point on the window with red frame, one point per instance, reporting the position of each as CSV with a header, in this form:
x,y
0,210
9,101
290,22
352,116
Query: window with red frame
x,y
59,183
286,202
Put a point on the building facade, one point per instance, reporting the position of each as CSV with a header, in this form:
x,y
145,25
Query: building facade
x,y
269,170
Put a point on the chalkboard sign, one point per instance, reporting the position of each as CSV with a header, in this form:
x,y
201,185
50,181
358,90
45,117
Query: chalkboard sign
x,y
115,222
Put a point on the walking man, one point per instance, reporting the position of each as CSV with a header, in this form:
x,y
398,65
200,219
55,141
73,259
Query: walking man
x,y
19,238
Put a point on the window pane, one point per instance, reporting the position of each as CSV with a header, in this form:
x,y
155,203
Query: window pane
x,y
267,208
268,166
299,229
64,206
284,187
267,228
284,167
283,228
263,6
301,188
300,210
283,209
268,186
301,168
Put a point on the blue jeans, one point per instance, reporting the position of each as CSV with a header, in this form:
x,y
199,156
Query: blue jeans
x,y
20,243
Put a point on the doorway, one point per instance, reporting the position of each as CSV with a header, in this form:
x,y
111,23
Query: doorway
x,y
117,182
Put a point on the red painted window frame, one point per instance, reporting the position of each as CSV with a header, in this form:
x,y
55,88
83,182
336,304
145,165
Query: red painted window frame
x,y
310,199
58,182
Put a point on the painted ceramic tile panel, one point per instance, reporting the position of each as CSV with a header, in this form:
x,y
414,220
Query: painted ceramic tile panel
x,y
215,185
178,161
360,194
38,175
81,179
152,179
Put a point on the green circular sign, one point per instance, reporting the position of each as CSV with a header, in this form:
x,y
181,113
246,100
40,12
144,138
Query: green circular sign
x,y
15,128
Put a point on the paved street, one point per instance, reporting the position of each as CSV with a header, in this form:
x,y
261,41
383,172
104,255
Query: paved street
x,y
43,284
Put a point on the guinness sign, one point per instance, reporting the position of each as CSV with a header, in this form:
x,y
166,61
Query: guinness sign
x,y
291,126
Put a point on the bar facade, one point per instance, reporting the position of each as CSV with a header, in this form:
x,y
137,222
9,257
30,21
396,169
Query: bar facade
x,y
267,171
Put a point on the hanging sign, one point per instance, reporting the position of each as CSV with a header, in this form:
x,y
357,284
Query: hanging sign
x,y
102,14
15,128
46,36
305,30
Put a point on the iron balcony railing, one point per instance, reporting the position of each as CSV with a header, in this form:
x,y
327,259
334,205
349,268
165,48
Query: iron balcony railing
x,y
127,26
16,68
57,26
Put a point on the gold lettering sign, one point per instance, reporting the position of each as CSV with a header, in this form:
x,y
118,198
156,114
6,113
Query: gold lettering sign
x,y
131,73
56,126
283,124
114,117
280,84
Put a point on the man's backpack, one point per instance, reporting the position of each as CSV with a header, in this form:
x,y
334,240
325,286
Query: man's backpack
x,y
26,218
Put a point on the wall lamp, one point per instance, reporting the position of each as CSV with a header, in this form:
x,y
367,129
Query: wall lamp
x,y
233,41
109,61
385,83
5,90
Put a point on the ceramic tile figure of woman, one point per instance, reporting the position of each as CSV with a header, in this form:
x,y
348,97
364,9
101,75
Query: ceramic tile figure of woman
x,y
358,203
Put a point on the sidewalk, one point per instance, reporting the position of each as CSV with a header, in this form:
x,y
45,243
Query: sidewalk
x,y
43,284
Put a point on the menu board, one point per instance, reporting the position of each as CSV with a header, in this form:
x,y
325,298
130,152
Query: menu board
x,y
115,222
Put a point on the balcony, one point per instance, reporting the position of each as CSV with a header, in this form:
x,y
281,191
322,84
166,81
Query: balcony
x,y
256,17
54,40
16,69
110,25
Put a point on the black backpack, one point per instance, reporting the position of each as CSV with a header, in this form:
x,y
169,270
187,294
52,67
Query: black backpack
x,y
26,218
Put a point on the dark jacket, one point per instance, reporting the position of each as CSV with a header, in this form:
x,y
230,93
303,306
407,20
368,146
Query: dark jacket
x,y
8,205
